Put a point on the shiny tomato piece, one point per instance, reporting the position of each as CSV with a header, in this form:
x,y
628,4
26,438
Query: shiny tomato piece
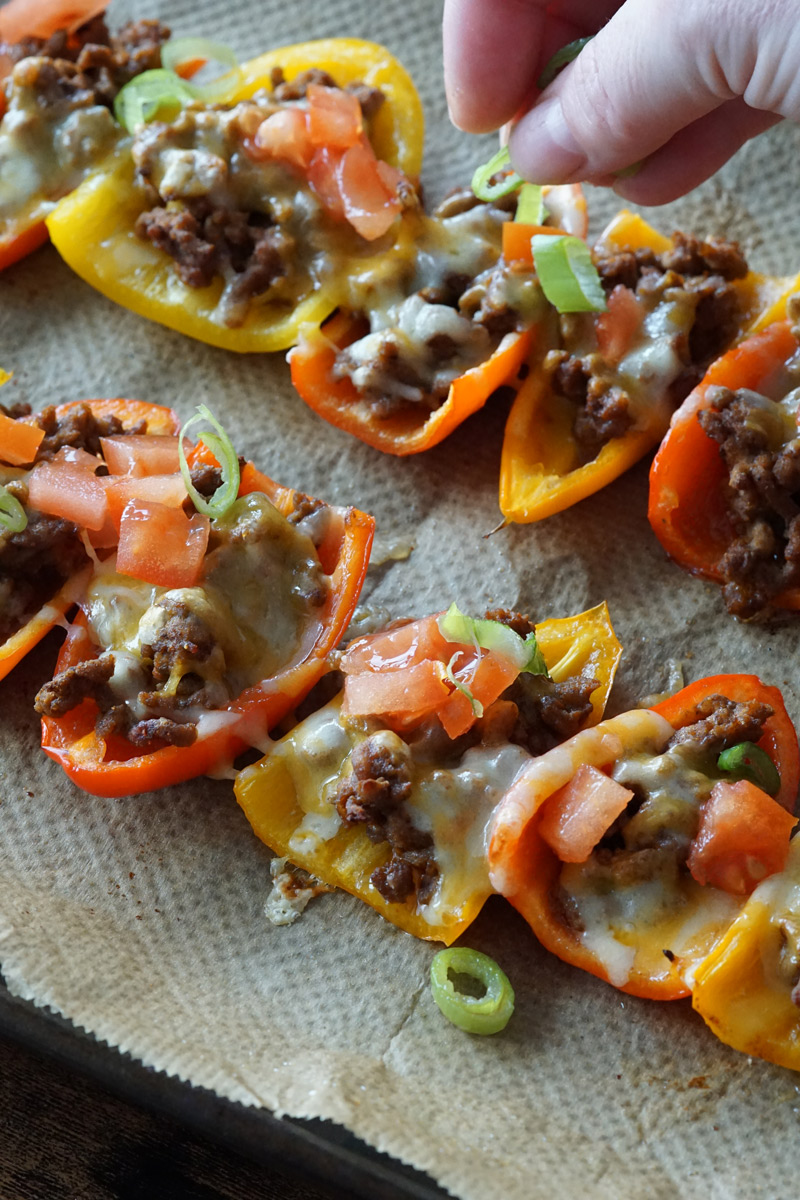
x,y
161,545
409,692
69,490
368,204
19,441
334,117
140,454
323,179
401,647
20,18
619,324
166,489
743,837
576,817
486,677
285,134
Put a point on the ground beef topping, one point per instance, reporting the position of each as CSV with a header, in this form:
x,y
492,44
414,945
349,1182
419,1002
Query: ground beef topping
x,y
78,428
695,279
374,795
762,457
721,723
34,564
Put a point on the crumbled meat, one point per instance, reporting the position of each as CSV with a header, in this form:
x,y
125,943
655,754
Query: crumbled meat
x,y
762,498
86,680
697,273
79,428
721,723
15,411
161,729
370,98
182,640
34,564
206,479
549,712
374,795
522,625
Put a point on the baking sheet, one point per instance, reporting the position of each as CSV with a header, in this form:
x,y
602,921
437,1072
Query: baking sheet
x,y
142,920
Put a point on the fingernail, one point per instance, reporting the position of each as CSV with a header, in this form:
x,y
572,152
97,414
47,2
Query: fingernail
x,y
543,148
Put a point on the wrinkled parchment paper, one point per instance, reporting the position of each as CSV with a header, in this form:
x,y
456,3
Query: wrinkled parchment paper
x,y
142,920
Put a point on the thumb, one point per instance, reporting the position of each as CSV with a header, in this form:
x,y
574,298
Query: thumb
x,y
656,70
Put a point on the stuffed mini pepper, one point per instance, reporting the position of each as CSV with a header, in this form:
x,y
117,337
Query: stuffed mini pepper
x,y
631,848
388,790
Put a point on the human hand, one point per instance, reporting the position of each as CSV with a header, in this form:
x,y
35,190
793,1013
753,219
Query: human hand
x,y
669,88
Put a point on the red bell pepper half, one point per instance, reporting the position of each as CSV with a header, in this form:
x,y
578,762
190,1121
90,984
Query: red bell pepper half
x,y
112,766
630,911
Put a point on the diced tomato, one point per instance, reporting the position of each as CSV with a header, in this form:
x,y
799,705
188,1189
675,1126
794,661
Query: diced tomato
x,y
742,838
487,678
408,693
334,117
401,647
576,817
19,441
20,18
368,204
619,324
166,489
161,545
322,175
68,490
77,457
140,454
285,135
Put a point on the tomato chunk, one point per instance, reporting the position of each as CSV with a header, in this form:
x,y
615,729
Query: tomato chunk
x,y
487,678
166,489
285,135
408,692
161,545
575,817
368,204
68,490
619,324
140,454
334,117
742,838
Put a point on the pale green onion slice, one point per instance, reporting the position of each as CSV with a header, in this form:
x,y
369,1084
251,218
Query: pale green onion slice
x,y
145,96
477,707
530,205
13,517
748,761
567,274
488,1012
221,447
560,60
481,185
188,49
456,626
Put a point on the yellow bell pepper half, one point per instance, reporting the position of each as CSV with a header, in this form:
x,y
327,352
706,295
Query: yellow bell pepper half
x,y
743,990
541,471
282,795
93,227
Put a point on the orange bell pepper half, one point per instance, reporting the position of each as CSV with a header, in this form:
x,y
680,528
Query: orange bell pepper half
x,y
286,798
407,431
632,918
688,506
542,471
112,766
130,412
746,990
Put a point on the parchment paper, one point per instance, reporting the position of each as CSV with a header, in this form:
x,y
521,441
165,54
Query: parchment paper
x,y
141,920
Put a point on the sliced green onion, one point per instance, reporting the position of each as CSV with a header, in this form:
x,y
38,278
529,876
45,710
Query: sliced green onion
x,y
488,1012
560,59
481,185
456,626
567,274
530,205
221,447
13,517
145,96
177,51
748,761
477,707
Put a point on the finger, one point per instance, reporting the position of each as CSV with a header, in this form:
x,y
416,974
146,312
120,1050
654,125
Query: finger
x,y
694,154
495,50
652,70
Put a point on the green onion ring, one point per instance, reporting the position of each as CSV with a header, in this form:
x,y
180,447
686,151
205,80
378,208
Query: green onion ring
x,y
485,190
530,205
561,59
13,518
748,761
140,100
181,50
484,1014
567,274
221,447
456,626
